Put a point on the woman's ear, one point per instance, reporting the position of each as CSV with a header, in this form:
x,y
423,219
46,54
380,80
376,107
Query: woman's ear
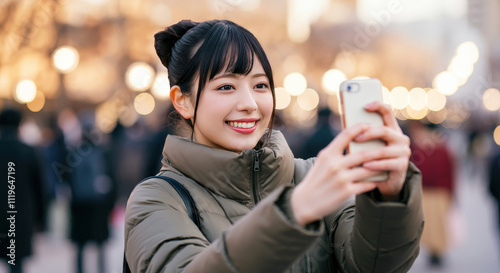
x,y
181,102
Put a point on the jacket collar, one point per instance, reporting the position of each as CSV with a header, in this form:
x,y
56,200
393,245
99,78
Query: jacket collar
x,y
231,174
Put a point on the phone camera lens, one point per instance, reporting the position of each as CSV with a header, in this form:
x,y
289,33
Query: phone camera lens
x,y
349,88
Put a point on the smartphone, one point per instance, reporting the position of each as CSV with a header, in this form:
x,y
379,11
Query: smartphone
x,y
354,95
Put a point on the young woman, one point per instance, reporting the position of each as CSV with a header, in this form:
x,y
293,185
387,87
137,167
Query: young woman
x,y
262,210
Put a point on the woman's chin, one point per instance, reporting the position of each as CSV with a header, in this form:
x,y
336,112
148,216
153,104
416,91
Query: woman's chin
x,y
239,147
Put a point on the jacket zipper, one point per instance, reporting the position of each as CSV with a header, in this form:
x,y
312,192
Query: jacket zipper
x,y
255,182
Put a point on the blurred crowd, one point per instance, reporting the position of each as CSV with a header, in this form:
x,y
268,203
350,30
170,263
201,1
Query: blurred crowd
x,y
95,172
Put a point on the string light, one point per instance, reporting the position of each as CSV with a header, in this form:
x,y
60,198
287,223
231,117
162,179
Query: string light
x,y
295,83
139,76
436,100
418,98
446,83
25,91
332,79
308,100
66,59
283,98
400,97
491,99
37,103
161,86
144,104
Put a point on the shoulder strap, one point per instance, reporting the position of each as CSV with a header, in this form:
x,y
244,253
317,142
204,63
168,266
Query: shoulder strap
x,y
188,202
186,197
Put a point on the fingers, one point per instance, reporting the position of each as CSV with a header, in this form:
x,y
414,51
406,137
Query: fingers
x,y
339,144
362,187
392,164
386,113
347,181
385,133
393,151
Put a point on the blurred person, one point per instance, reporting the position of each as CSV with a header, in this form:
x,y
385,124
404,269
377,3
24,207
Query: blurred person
x,y
293,134
432,156
155,143
494,181
322,136
93,195
128,157
54,151
241,173
22,217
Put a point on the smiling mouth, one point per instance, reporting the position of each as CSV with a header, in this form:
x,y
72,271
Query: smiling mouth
x,y
242,125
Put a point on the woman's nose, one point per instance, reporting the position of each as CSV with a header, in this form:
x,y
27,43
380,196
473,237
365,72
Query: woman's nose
x,y
247,100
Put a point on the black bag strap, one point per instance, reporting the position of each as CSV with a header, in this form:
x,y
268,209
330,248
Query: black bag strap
x,y
188,202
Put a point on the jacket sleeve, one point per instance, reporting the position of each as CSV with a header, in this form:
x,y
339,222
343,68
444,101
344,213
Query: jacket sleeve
x,y
376,236
160,237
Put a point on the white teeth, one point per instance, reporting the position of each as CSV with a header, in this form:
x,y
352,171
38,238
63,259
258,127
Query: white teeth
x,y
244,125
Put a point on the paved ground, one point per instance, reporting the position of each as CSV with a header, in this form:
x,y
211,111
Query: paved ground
x,y
476,246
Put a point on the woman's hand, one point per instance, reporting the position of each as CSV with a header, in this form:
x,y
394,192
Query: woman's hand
x,y
335,176
394,157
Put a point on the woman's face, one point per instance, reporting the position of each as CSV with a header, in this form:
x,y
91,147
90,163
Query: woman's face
x,y
234,110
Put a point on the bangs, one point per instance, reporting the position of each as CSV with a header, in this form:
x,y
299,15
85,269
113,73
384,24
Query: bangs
x,y
227,49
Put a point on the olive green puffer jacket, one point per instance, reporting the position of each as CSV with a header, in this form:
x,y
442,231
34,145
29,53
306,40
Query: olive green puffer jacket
x,y
242,199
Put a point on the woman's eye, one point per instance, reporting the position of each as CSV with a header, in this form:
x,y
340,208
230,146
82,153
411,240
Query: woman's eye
x,y
226,87
261,86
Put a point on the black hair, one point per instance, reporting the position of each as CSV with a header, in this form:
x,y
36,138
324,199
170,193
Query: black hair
x,y
191,50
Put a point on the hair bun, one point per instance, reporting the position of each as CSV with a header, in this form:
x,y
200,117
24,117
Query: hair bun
x,y
166,39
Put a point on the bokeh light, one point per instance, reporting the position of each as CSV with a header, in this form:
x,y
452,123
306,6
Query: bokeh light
x,y
418,98
461,68
303,117
92,81
161,86
496,135
469,51
400,114
139,76
37,103
106,115
129,116
400,97
438,116
435,100
332,79
282,98
491,99
144,104
416,113
25,91
66,59
446,83
386,95
308,100
295,83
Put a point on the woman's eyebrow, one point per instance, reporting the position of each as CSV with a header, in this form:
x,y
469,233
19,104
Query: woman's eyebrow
x,y
259,75
233,75
225,75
